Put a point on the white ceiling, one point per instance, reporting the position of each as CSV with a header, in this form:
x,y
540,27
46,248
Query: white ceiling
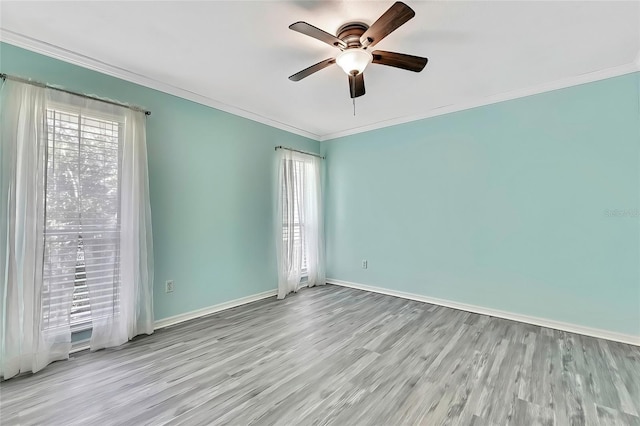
x,y
237,55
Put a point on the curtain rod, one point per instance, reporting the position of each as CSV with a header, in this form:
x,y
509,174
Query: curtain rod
x,y
95,98
297,150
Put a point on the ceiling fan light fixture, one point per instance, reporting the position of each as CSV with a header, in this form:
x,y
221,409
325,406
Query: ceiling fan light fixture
x,y
354,61
353,39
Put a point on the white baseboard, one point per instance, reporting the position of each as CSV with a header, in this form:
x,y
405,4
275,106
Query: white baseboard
x,y
177,319
542,322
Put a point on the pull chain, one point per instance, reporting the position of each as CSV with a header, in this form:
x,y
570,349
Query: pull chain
x,y
352,88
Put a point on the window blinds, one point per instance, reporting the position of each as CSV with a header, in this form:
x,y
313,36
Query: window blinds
x,y
81,236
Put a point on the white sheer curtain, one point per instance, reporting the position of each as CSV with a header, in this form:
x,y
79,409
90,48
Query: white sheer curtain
x,y
24,345
131,312
115,236
299,221
136,234
314,222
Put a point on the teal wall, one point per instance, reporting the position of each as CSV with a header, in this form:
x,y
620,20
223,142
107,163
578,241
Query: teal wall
x,y
506,206
210,176
503,206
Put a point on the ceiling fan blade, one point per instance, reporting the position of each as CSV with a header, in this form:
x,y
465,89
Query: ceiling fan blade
x,y
313,68
317,33
399,60
356,85
393,18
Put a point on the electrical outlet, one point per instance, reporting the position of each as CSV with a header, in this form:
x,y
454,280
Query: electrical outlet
x,y
168,286
364,264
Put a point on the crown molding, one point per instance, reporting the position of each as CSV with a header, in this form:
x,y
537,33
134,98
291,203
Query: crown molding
x,y
492,99
52,51
65,55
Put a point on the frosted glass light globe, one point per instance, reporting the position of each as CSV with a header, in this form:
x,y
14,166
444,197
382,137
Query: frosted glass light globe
x,y
354,60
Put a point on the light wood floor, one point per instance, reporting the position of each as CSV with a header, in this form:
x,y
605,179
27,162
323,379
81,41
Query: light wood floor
x,y
332,355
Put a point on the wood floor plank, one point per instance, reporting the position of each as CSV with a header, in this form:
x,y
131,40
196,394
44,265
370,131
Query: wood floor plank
x,y
338,356
611,417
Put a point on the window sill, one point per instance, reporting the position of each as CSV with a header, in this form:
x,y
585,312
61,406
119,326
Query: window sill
x,y
80,327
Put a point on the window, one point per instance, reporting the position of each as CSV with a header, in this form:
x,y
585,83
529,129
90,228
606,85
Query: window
x,y
299,226
78,229
82,224
297,190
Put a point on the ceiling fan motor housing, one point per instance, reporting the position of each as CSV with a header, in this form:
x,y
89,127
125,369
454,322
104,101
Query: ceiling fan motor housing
x,y
351,32
354,59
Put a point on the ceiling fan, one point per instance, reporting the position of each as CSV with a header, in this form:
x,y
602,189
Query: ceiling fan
x,y
354,39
